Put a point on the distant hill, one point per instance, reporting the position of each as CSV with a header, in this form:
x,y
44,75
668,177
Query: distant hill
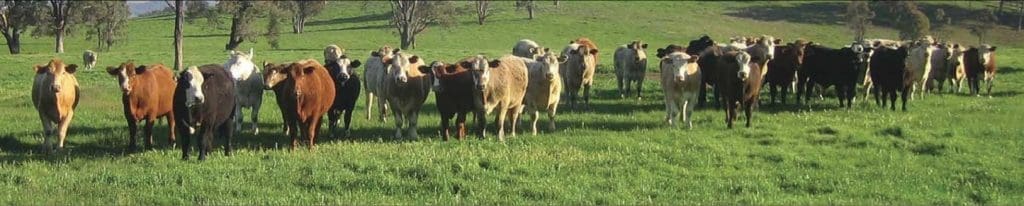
x,y
142,7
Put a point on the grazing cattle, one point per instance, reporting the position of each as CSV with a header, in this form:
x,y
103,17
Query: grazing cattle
x,y
827,67
204,105
782,69
888,67
977,61
919,66
739,84
543,89
147,93
275,77
578,70
89,59
502,85
681,81
940,70
313,93
631,67
372,78
454,90
55,95
346,88
526,48
955,66
248,87
405,88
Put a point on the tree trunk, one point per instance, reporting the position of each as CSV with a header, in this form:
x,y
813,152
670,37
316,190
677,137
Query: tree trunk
x,y
406,39
529,8
556,3
99,38
60,40
13,42
999,11
481,11
298,23
235,38
1020,20
179,19
302,24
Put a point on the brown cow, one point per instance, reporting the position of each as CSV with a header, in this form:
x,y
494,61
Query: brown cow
x,y
739,80
502,84
313,93
146,94
454,92
55,96
578,70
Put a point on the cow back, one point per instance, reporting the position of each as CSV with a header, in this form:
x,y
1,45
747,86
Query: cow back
x,y
507,84
314,89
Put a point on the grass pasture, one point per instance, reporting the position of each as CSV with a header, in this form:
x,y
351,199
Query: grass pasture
x,y
948,149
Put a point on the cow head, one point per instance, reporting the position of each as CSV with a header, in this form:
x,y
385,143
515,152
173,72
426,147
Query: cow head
x,y
699,45
400,66
551,62
240,65
985,53
767,42
743,61
956,56
481,69
274,74
639,53
678,63
346,68
61,75
126,74
437,68
193,79
332,53
862,53
671,48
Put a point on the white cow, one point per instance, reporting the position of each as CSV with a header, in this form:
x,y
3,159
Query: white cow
x,y
544,88
526,48
681,82
376,70
248,87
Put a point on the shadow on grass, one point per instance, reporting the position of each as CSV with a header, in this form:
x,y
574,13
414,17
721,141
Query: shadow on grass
x,y
809,13
357,19
1009,70
20,151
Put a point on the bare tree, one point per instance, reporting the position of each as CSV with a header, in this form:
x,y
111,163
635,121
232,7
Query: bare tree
x,y
60,11
858,17
1020,20
528,5
482,11
107,21
15,18
985,21
556,3
412,17
302,10
243,14
179,19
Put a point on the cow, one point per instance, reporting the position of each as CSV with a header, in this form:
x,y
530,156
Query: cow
x,y
709,51
762,50
980,60
346,88
681,81
204,101
888,68
275,78
405,88
940,70
248,86
372,78
782,69
955,66
147,93
526,48
89,59
501,85
454,91
631,67
578,70
543,88
739,84
827,67
55,95
919,66
312,90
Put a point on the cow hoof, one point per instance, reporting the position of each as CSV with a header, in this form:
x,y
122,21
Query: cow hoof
x,y
347,133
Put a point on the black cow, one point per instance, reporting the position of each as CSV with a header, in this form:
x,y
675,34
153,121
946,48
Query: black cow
x,y
831,67
888,67
204,102
346,88
739,84
709,53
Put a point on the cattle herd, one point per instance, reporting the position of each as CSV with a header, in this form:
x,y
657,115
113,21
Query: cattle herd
x,y
207,101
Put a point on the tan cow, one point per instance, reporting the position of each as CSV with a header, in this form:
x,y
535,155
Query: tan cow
x,y
55,97
681,82
631,67
545,86
502,84
919,66
955,64
406,87
578,70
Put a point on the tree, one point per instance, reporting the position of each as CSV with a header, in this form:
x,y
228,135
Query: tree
x,y
858,17
943,22
302,10
15,19
243,15
60,21
179,19
1020,20
482,11
412,17
985,21
107,21
911,22
275,18
528,4
201,9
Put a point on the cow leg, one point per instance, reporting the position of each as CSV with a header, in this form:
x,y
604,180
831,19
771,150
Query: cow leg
x,y
460,123
413,118
688,111
586,97
311,132
639,88
238,117
480,119
670,110
256,118
904,96
293,126
445,125
369,105
500,120
133,132
398,124
748,108
619,79
333,115
516,111
205,141
772,91
228,135
989,82
172,129
48,130
552,110
534,114
63,133
730,113
148,132
702,91
184,141
348,122
382,104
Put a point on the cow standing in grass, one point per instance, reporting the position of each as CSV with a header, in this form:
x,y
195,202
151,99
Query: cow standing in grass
x,y
940,70
147,92
955,64
681,82
376,70
740,81
919,66
544,88
502,87
346,88
782,69
312,90
248,86
204,101
405,88
980,61
455,92
888,67
55,95
578,70
89,59
631,67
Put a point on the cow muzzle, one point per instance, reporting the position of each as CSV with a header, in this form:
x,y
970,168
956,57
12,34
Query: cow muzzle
x,y
55,88
549,76
402,79
743,75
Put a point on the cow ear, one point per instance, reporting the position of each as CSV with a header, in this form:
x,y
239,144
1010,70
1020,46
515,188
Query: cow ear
x,y
425,69
39,69
494,63
593,51
547,50
643,46
466,65
992,49
71,68
533,50
414,59
354,64
693,58
113,71
141,69
396,51
778,41
266,64
308,69
375,53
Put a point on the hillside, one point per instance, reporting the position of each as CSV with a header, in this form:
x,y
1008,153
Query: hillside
x,y
948,149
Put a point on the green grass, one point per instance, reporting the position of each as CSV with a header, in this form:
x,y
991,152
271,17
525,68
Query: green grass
x,y
948,149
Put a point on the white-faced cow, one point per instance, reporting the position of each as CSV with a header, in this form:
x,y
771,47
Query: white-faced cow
x,y
346,88
544,89
55,95
248,86
204,105
376,70
405,88
502,84
631,67
681,82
